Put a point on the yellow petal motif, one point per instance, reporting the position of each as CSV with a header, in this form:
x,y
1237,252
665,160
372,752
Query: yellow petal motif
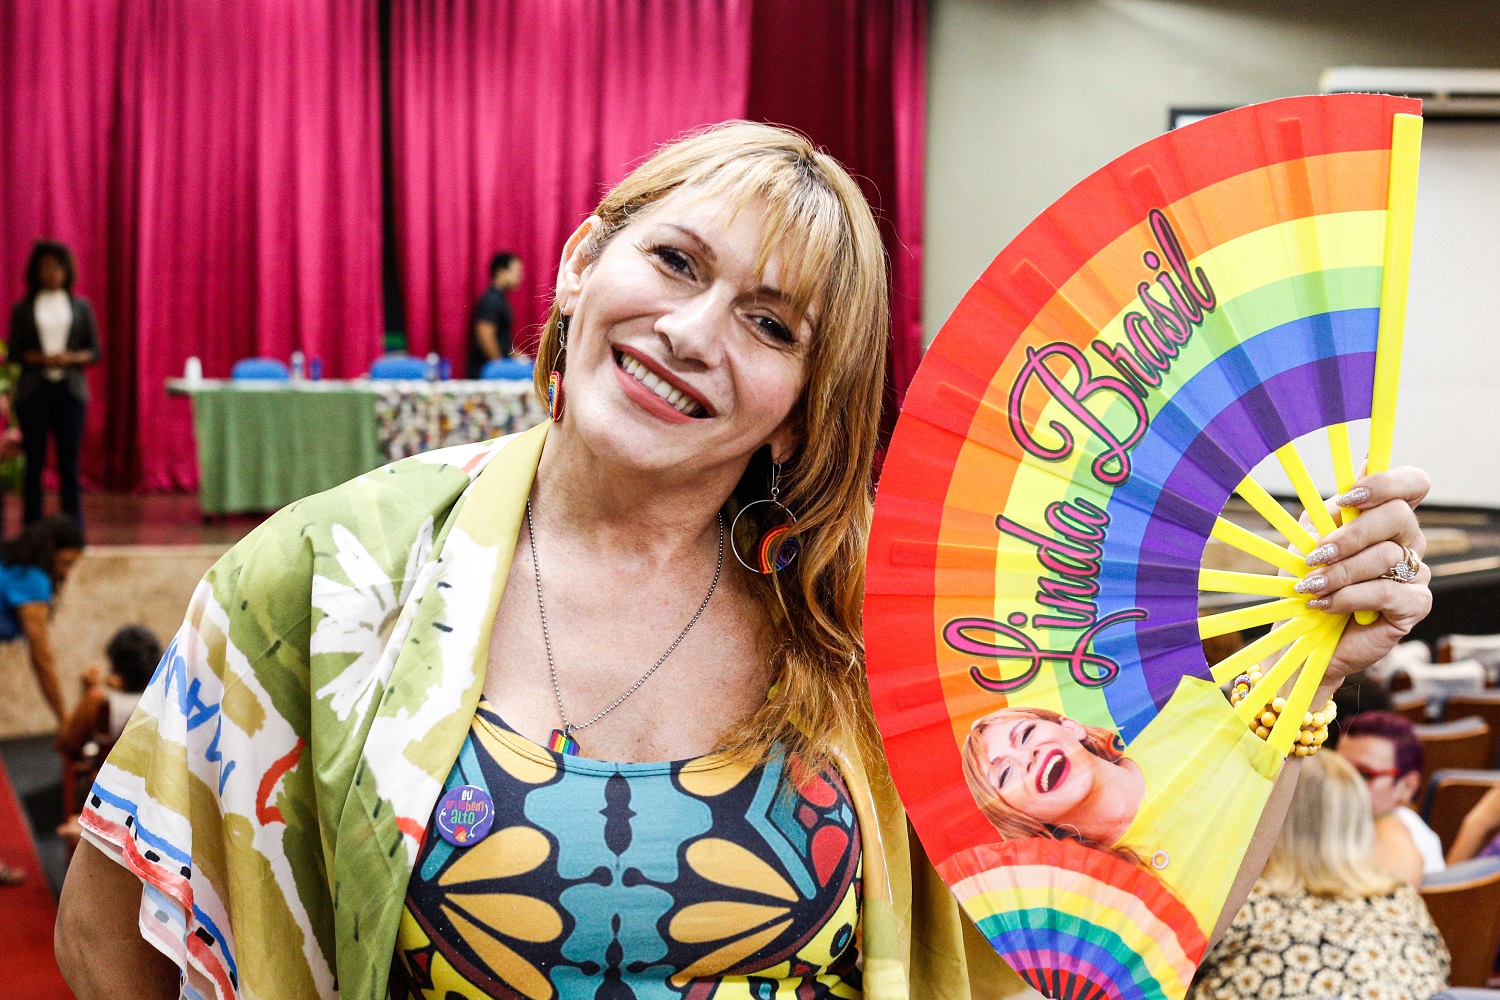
x,y
524,918
727,957
516,972
716,921
730,864
706,780
512,851
519,762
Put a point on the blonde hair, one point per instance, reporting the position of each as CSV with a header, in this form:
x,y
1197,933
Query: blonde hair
x,y
1326,844
818,219
1011,823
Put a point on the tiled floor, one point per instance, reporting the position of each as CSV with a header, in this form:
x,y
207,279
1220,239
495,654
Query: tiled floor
x,y
159,519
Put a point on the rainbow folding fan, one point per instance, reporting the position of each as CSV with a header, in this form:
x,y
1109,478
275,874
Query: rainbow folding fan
x,y
1061,463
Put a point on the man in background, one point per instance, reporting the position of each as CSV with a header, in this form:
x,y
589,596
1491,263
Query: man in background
x,y
490,331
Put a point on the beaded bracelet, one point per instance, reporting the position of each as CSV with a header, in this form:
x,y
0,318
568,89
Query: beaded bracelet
x,y
1314,730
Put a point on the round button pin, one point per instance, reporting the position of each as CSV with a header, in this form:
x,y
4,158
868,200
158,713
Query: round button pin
x,y
465,815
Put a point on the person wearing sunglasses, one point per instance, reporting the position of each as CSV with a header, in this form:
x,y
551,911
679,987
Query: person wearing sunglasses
x,y
1385,750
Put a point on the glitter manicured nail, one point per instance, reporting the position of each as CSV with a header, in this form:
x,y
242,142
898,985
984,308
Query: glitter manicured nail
x,y
1353,498
1322,555
1311,585
1320,603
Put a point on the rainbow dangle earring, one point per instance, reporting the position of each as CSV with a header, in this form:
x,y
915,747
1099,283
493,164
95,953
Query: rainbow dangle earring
x,y
777,547
555,380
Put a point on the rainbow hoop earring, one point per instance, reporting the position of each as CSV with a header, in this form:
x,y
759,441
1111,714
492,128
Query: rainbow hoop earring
x,y
555,380
776,548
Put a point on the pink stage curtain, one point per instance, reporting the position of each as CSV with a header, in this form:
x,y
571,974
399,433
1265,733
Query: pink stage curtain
x,y
58,74
851,74
218,168
509,118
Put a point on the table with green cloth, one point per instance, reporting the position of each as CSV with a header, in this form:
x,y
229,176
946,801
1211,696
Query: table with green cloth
x,y
264,444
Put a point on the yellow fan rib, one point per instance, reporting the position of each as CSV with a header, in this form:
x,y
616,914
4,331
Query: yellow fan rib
x,y
1343,465
1284,733
1280,637
1217,581
1256,615
1251,544
1400,217
1254,703
1266,506
1307,490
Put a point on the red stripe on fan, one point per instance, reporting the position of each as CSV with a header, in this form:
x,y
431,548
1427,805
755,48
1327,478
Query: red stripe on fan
x,y
1337,124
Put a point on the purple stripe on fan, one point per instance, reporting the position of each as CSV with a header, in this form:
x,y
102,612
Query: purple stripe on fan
x,y
1168,642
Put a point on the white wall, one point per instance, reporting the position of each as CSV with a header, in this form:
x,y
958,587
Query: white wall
x,y
1027,97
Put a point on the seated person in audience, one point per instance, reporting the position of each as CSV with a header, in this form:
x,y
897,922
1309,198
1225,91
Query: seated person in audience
x,y
1359,693
1325,920
108,699
1479,834
1385,750
32,566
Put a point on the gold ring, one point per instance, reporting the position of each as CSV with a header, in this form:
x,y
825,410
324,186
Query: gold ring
x,y
1406,569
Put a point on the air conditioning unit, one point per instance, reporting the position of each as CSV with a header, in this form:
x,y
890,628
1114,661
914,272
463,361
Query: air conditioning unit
x,y
1445,93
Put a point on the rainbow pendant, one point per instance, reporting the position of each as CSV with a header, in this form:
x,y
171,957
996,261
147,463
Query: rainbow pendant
x,y
562,743
554,395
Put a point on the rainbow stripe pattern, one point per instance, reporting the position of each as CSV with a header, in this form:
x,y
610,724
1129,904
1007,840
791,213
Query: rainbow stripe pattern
x,y
1079,423
561,742
1143,938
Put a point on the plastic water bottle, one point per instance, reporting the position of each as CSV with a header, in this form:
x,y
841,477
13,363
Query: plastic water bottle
x,y
299,366
445,370
315,368
434,366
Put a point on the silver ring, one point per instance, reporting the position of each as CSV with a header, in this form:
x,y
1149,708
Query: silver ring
x,y
1406,569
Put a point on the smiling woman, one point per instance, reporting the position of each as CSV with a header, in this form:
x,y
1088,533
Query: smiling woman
x,y
508,720
1017,758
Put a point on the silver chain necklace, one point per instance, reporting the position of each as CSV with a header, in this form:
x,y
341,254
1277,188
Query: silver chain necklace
x,y
562,739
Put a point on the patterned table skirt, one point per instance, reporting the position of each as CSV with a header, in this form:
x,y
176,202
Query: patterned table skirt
x,y
420,416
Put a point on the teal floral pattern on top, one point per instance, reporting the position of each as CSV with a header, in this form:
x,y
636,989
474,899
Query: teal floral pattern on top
x,y
699,878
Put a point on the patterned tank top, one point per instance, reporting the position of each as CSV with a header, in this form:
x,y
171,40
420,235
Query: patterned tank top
x,y
698,878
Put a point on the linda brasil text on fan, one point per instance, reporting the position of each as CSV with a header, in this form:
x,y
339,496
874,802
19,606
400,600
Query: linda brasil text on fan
x,y
1156,334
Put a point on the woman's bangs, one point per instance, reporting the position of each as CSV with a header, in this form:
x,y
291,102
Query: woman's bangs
x,y
804,222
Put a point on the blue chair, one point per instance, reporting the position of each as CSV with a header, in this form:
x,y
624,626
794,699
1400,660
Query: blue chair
x,y
398,366
268,369
516,369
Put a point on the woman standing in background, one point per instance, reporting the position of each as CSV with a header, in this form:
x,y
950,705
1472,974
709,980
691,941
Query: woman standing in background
x,y
54,336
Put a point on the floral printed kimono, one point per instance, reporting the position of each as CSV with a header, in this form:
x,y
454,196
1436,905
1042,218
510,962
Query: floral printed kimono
x,y
272,789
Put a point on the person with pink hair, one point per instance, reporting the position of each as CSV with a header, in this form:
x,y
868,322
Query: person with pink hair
x,y
1387,753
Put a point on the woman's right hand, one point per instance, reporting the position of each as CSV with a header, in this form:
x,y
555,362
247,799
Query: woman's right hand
x,y
1357,555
